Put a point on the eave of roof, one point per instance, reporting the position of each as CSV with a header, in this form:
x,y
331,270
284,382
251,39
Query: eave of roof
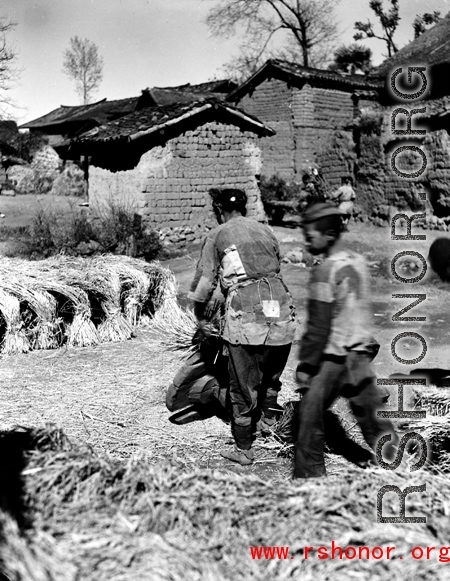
x,y
276,68
93,111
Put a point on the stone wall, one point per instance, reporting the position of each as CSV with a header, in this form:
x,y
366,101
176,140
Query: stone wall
x,y
169,186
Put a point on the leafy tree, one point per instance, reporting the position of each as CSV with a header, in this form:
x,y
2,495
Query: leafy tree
x,y
427,19
389,21
8,61
351,59
84,65
305,29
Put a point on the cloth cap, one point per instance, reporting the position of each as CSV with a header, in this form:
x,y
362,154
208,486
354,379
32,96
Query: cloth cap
x,y
228,198
318,211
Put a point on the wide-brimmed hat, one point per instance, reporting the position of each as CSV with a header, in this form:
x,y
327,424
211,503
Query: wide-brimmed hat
x,y
319,211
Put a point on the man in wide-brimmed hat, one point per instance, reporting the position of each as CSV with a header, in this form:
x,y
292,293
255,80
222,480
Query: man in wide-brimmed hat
x,y
259,321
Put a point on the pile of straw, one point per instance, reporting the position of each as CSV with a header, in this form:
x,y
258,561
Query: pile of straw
x,y
435,426
109,511
79,301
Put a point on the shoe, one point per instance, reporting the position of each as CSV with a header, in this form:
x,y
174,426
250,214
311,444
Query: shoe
x,y
235,454
189,414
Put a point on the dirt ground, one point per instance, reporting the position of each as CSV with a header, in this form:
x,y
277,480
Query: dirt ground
x,y
112,395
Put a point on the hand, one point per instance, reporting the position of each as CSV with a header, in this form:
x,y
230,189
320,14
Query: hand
x,y
205,329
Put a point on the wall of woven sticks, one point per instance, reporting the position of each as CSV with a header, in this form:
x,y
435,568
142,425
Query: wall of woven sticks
x,y
77,301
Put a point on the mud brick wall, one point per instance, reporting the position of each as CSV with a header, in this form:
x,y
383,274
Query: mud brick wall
x,y
317,114
370,174
304,119
271,103
379,184
169,186
337,158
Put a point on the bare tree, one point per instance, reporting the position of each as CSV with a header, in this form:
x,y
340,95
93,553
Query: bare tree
x,y
84,65
389,21
8,62
421,23
303,29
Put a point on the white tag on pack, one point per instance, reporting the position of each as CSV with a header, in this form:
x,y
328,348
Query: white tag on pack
x,y
271,308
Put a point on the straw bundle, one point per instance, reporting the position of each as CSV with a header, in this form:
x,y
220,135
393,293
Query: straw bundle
x,y
38,312
174,329
72,305
134,282
103,289
38,308
162,288
14,339
105,285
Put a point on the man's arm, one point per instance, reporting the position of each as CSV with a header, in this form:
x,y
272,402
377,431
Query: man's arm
x,y
320,314
205,278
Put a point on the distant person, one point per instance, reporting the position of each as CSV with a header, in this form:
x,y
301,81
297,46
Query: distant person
x,y
259,320
439,258
312,190
345,197
337,346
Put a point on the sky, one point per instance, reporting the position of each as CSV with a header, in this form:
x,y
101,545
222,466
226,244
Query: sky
x,y
144,43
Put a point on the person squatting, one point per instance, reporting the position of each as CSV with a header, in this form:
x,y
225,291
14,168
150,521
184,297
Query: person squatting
x,y
240,375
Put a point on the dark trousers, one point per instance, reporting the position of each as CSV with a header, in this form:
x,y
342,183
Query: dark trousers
x,y
353,379
255,372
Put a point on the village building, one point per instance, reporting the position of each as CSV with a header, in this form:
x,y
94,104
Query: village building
x,y
163,161
60,126
312,112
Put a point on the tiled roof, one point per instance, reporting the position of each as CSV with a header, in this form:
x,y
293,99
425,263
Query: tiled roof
x,y
222,86
431,48
171,95
288,71
104,110
152,119
436,107
100,112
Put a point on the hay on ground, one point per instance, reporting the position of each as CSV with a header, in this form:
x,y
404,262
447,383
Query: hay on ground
x,y
215,517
